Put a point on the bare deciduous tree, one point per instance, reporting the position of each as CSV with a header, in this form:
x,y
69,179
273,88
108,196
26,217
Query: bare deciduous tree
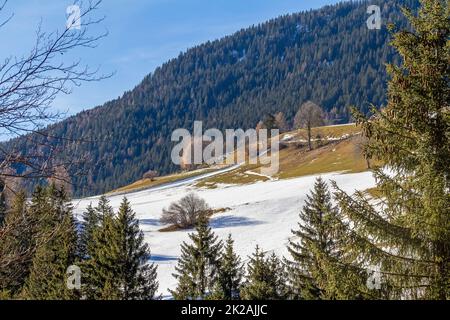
x,y
61,179
281,123
259,126
184,213
151,174
29,85
308,116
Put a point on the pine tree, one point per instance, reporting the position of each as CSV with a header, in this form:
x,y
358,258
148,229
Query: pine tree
x,y
317,257
278,275
408,233
56,246
101,254
309,115
90,222
197,269
16,246
230,273
116,258
136,276
314,233
264,278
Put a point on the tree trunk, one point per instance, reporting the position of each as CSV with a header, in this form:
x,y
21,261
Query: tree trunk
x,y
309,136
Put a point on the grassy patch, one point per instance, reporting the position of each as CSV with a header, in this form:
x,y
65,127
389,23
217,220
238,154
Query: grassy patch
x,y
243,175
147,183
326,132
344,155
297,161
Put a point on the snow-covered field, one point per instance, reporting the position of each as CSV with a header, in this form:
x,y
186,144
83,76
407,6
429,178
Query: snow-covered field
x,y
262,213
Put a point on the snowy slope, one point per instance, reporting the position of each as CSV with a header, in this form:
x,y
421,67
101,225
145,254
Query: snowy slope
x,y
262,213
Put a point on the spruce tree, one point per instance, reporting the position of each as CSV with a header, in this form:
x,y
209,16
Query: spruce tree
x,y
278,274
314,233
319,267
90,221
116,265
16,246
137,277
198,266
56,246
101,254
230,273
407,233
264,278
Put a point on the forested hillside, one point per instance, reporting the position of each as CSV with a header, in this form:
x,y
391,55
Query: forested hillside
x,y
328,56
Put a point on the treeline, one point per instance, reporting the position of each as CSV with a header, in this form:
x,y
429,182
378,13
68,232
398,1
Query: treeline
x,y
46,254
327,56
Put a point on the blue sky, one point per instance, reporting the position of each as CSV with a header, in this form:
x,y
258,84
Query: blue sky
x,y
143,34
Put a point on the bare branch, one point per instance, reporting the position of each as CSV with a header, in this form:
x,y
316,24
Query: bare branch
x,y
28,88
2,6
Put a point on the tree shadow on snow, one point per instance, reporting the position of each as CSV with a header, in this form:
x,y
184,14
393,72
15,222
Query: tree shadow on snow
x,y
233,221
151,222
162,258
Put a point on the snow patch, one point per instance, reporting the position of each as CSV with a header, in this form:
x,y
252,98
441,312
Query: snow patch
x,y
262,213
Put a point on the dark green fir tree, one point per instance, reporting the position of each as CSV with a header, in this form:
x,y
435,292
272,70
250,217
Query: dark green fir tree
x,y
98,264
319,266
116,260
406,233
277,272
56,241
265,278
198,267
90,221
230,273
16,246
137,276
